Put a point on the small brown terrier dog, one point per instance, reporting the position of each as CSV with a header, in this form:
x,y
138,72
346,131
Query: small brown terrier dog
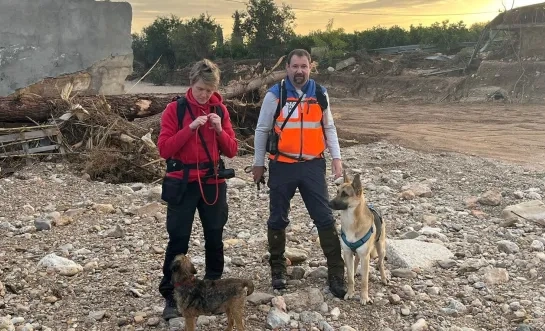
x,y
195,297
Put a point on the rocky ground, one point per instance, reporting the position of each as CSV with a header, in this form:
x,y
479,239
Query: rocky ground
x,y
81,255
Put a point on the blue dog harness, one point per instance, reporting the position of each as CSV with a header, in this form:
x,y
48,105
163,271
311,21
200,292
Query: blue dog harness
x,y
378,224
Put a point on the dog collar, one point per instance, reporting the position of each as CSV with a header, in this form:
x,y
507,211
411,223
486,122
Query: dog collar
x,y
185,282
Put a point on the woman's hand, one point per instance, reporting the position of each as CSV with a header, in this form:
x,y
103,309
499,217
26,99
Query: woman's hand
x,y
198,122
215,120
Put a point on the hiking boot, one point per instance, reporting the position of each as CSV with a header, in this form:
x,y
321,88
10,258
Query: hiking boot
x,y
170,311
331,246
277,261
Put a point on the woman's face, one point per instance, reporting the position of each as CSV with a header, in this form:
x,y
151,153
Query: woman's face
x,y
202,92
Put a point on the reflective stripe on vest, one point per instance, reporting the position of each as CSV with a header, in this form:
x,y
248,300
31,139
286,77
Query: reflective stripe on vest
x,y
297,125
302,137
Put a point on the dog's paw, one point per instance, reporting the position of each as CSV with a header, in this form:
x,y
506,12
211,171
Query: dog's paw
x,y
366,301
349,295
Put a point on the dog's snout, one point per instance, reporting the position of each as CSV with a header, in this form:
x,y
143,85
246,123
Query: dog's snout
x,y
337,205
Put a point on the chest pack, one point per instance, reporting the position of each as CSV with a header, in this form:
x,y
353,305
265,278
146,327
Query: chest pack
x,y
320,97
274,137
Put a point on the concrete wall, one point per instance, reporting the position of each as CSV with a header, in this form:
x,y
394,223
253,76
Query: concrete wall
x,y
533,42
50,42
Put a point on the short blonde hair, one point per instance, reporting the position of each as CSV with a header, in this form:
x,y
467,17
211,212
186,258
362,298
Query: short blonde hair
x,y
206,70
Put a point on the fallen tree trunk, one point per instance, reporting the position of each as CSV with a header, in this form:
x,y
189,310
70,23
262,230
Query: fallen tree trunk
x,y
241,88
31,107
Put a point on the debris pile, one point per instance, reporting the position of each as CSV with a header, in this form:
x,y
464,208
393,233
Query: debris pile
x,y
113,137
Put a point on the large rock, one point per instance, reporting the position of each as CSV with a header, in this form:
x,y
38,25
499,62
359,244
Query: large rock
x,y
61,265
533,210
411,253
46,44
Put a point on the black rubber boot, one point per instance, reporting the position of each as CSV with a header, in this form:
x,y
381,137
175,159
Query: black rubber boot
x,y
170,311
331,246
277,261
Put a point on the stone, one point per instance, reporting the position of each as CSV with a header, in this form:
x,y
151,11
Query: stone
x,y
277,318
412,253
61,265
491,198
259,298
420,325
508,247
533,210
296,255
42,224
494,276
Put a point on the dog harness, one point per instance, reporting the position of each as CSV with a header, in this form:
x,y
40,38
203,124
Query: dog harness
x,y
378,225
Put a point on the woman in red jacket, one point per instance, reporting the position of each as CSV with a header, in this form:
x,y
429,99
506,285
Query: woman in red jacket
x,y
193,181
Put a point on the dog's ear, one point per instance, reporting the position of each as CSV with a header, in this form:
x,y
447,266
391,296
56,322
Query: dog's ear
x,y
345,177
356,184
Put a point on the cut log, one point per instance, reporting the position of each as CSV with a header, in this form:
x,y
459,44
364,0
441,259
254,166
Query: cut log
x,y
31,107
24,108
241,88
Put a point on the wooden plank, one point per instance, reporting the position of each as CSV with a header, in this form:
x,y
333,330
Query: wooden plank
x,y
34,150
27,135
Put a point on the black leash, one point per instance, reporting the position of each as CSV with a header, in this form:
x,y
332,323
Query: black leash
x,y
248,170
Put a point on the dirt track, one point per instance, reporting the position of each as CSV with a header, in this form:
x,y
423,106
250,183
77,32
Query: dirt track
x,y
508,132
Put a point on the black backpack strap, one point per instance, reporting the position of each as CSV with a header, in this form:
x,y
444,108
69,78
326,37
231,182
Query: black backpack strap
x,y
320,96
180,111
322,101
283,97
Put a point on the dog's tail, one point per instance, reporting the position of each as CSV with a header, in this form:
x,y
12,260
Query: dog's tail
x,y
249,285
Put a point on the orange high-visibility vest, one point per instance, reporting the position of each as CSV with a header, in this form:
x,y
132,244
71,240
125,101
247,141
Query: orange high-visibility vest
x,y
303,137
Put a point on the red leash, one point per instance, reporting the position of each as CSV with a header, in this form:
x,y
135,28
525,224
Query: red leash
x,y
214,163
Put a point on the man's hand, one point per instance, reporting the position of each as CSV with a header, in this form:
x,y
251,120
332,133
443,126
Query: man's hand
x,y
257,172
337,168
215,121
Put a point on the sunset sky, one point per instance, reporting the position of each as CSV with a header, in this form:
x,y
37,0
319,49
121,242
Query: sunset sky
x,y
349,14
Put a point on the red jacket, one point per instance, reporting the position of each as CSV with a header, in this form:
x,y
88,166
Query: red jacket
x,y
182,145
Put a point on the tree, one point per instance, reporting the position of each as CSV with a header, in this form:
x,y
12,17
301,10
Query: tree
x,y
268,27
156,38
219,36
332,40
237,37
195,39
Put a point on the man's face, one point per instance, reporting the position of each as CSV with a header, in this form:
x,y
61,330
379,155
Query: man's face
x,y
298,70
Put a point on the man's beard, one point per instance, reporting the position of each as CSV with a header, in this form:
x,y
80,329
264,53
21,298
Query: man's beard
x,y
299,79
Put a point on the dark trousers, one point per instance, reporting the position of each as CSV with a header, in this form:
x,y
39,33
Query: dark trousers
x,y
180,221
310,178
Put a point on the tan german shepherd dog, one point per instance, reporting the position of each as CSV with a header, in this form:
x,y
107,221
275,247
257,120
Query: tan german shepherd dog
x,y
363,235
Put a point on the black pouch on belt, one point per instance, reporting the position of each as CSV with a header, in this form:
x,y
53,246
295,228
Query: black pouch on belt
x,y
173,189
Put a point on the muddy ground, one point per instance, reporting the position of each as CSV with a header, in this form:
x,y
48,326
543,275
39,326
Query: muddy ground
x,y
509,132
